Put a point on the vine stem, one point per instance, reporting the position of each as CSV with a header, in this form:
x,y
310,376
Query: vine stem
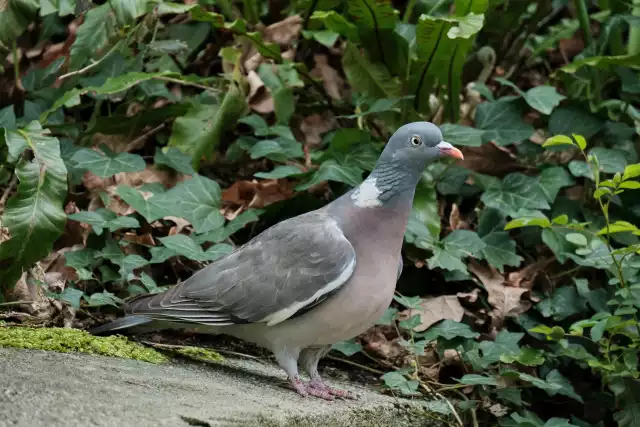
x,y
93,64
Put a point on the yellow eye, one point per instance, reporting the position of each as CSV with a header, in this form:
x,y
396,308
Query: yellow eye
x,y
415,141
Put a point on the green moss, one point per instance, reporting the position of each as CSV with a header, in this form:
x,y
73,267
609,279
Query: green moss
x,y
65,340
201,354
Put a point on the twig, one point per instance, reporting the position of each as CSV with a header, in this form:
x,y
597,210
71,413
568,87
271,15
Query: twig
x,y
15,303
184,83
93,64
474,416
147,134
7,191
449,404
357,365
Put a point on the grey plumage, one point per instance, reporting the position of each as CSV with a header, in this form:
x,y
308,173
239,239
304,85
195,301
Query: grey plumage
x,y
310,281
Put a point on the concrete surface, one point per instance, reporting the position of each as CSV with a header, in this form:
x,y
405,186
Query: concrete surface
x,y
51,389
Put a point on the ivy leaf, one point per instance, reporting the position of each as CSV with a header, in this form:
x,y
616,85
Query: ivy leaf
x,y
449,329
502,122
552,179
610,160
348,348
145,207
564,302
280,172
107,163
15,18
515,193
333,171
397,381
627,391
527,357
175,159
197,200
565,386
455,247
462,135
541,98
570,119
279,149
100,299
500,250
34,215
183,245
474,379
506,343
98,25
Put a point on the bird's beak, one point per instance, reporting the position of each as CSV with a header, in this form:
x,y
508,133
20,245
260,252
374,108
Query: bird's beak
x,y
447,149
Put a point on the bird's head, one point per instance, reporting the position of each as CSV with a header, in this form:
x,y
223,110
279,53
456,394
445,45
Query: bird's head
x,y
416,144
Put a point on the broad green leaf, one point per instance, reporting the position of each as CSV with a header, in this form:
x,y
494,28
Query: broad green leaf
x,y
34,215
552,179
397,381
516,192
234,225
619,227
580,169
468,26
368,78
506,343
103,218
500,250
145,207
567,120
610,160
279,172
127,11
15,17
631,61
175,159
197,200
462,135
454,248
543,98
348,348
449,329
334,21
564,302
627,391
502,122
333,171
474,379
425,207
100,299
528,222
107,163
279,149
527,357
577,239
558,140
92,36
8,118
187,247
631,171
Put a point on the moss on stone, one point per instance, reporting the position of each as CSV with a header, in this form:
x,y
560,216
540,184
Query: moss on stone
x,y
201,354
64,340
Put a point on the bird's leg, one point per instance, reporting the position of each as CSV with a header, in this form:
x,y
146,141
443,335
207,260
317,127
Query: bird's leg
x,y
287,358
310,358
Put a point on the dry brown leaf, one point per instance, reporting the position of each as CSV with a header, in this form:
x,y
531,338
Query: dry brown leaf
x,y
525,278
315,125
383,341
506,300
433,310
469,297
285,31
257,194
333,83
180,224
454,217
259,98
490,159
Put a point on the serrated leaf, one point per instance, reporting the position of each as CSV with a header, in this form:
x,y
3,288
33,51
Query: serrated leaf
x,y
107,163
34,215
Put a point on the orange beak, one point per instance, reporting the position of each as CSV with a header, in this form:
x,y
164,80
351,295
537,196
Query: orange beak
x,y
447,149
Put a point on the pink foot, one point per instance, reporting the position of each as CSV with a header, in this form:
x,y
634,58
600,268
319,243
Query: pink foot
x,y
305,390
317,383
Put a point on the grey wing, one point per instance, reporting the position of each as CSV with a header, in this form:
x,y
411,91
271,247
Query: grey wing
x,y
289,267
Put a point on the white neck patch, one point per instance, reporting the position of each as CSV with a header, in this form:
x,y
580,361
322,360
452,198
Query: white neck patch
x,y
366,195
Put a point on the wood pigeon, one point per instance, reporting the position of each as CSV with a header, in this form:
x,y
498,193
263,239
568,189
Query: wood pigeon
x,y
310,281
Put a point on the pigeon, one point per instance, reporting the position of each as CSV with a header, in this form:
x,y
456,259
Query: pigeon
x,y
310,281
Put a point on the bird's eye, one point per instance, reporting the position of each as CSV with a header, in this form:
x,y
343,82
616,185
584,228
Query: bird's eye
x,y
415,141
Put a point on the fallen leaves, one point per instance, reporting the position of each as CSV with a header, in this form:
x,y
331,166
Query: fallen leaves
x,y
257,194
433,310
333,83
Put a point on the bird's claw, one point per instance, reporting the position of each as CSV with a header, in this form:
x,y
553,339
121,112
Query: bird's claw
x,y
316,383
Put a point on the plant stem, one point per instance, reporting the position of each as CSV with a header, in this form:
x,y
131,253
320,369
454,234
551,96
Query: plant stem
x,y
436,7
583,17
93,64
408,11
633,45
16,65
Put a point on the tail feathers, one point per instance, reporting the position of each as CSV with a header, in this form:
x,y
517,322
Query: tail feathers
x,y
120,324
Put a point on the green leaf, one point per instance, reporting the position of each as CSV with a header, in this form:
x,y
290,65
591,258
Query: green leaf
x,y
610,160
462,135
197,200
577,239
187,247
15,17
8,118
627,391
601,62
552,179
333,171
449,329
279,149
280,172
570,119
348,348
145,207
527,357
564,302
502,122
72,296
528,222
397,381
368,78
500,250
558,140
506,343
34,215
103,218
473,379
92,36
425,207
127,11
107,163
175,159
543,98
334,21
454,248
103,298
631,171
516,192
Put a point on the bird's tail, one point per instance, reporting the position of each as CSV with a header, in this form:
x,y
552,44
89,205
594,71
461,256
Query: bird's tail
x,y
120,324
